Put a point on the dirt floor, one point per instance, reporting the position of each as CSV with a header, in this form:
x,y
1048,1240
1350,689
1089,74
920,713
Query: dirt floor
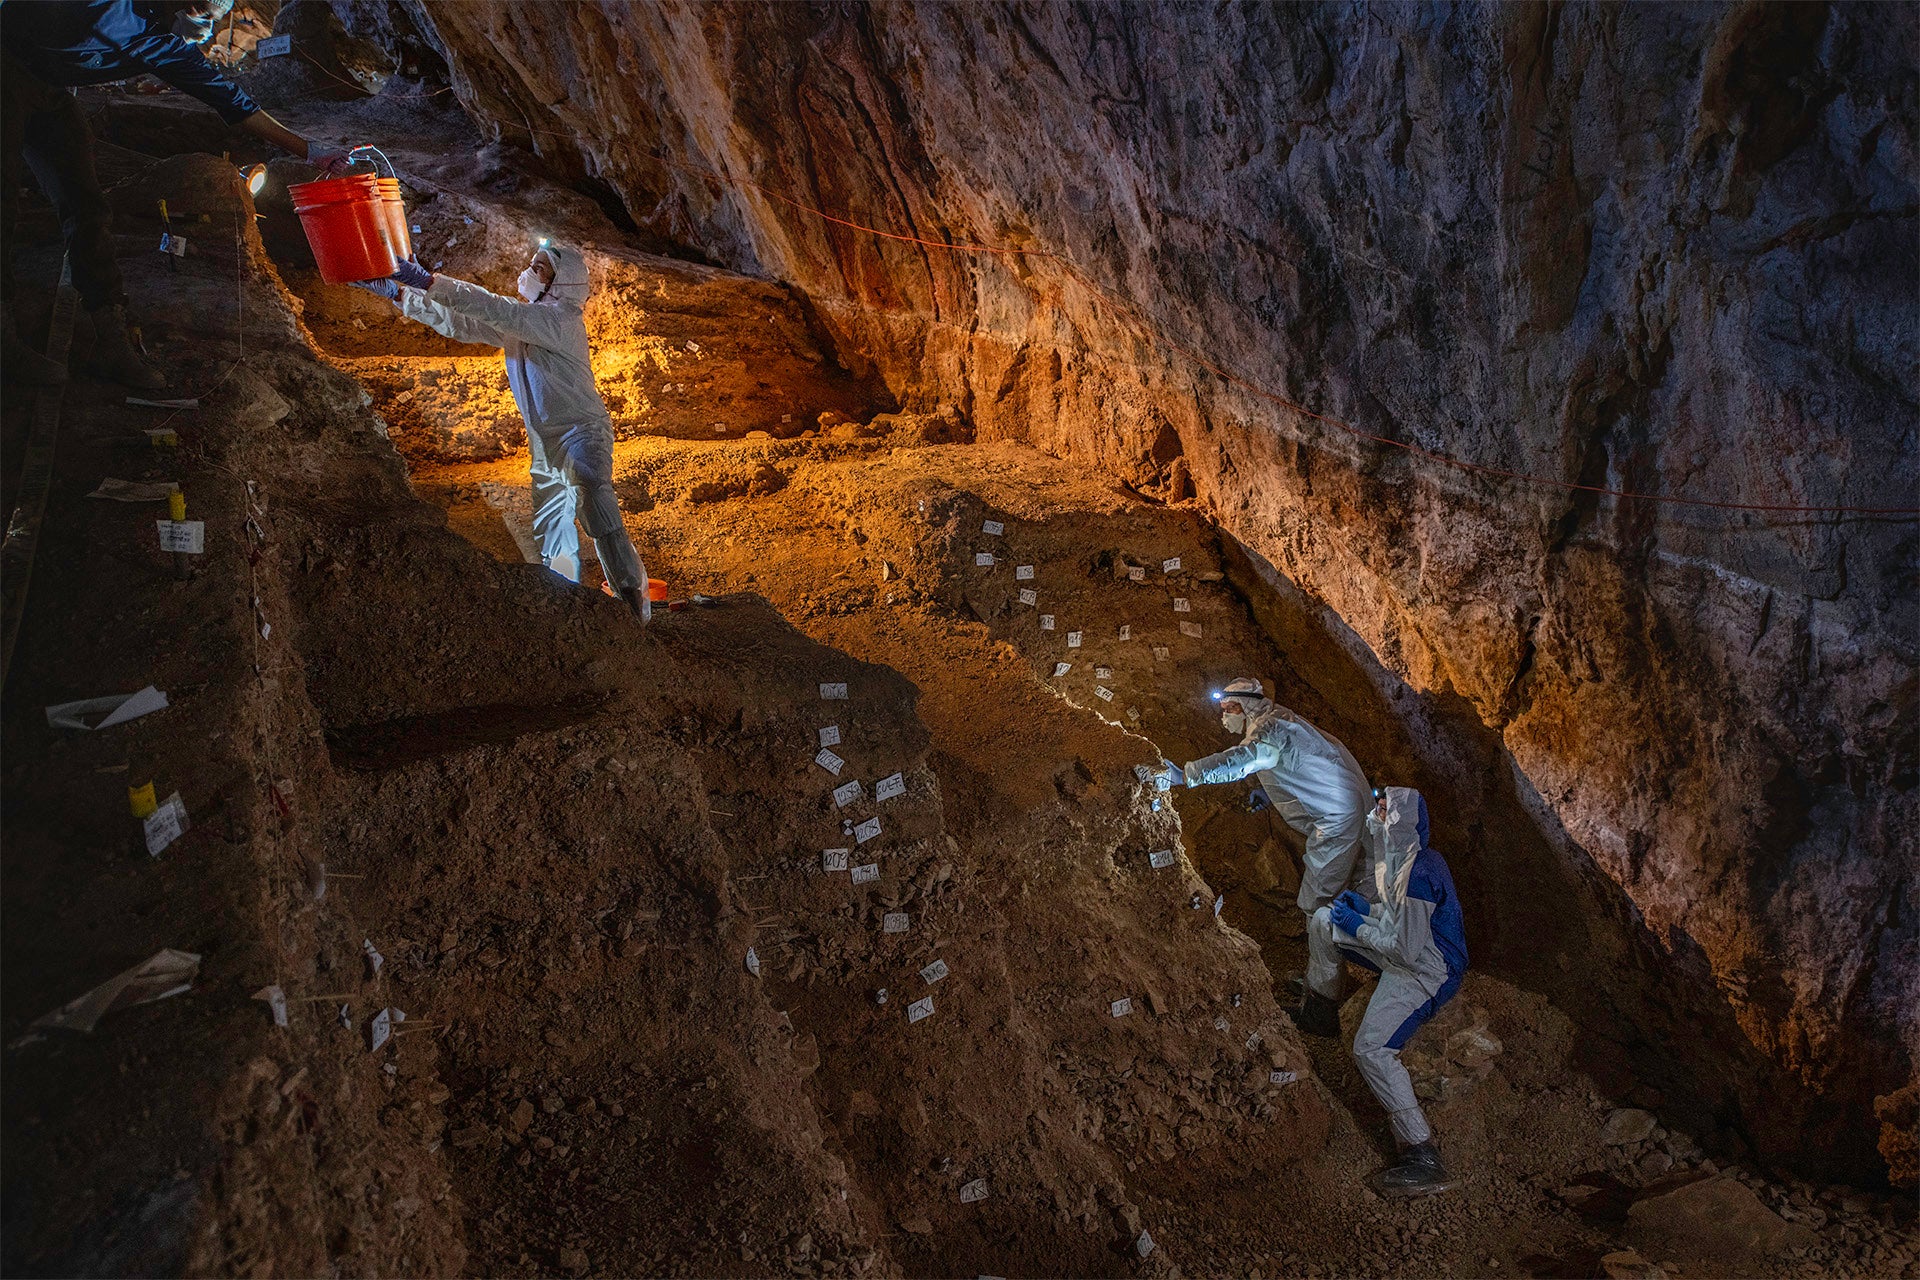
x,y
643,1031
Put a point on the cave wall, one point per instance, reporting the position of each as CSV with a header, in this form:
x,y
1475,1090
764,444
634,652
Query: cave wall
x,y
1648,247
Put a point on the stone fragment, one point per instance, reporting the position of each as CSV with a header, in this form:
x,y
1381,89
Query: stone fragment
x,y
1627,1126
1716,1220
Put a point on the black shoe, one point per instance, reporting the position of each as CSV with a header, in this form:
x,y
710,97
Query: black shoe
x,y
1419,1173
1317,1016
636,598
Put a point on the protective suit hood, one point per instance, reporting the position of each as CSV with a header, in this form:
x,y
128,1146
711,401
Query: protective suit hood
x,y
1399,840
571,283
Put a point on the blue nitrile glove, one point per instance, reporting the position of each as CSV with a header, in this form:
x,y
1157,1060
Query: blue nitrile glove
x,y
1345,918
385,288
412,274
1356,902
1257,801
1171,775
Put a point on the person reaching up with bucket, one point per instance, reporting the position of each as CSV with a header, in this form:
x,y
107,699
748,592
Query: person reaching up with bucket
x,y
569,433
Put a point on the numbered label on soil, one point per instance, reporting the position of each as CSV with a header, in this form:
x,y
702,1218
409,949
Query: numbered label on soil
x,y
934,972
1073,639
276,1003
1180,605
1046,622
1160,653
866,831
1170,566
894,784
1023,573
380,1029
1219,904
974,1191
830,736
1061,668
921,1008
753,962
1126,632
993,527
867,873
895,922
274,47
830,762
834,692
1136,574
1191,630
1144,1245
1103,673
189,536
848,793
983,559
1282,1077
1161,858
1103,693
165,825
1029,596
834,859
1122,1007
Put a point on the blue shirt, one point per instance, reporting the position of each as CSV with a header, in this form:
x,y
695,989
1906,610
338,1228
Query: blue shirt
x,y
76,42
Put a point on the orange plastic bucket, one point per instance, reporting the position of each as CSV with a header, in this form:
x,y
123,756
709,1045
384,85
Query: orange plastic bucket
x,y
395,210
346,225
656,590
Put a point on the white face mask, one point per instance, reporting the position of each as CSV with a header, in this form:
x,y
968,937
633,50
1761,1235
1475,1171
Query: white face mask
x,y
531,285
1233,723
192,29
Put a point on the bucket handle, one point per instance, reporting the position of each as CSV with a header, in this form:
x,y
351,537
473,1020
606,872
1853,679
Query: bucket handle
x,y
381,165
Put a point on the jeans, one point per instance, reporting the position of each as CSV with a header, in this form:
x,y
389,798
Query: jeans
x,y
44,127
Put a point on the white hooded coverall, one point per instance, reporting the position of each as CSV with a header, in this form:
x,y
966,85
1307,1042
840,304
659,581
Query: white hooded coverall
x,y
1311,779
569,434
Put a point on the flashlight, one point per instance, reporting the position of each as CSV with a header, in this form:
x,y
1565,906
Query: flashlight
x,y
256,176
543,242
1216,695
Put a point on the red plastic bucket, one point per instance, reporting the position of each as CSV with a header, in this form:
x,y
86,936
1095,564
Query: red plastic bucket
x,y
395,211
346,225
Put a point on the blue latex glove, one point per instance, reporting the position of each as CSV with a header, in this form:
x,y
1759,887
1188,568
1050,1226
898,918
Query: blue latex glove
x,y
1356,903
1171,775
329,160
1257,801
1345,918
385,288
412,274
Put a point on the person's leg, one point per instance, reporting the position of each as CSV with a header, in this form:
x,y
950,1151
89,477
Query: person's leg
x,y
589,465
58,147
553,526
1399,1007
18,100
1331,854
1326,968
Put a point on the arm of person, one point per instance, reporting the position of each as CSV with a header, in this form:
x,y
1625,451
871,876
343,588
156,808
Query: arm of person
x,y
1232,764
163,54
415,305
540,325
1402,931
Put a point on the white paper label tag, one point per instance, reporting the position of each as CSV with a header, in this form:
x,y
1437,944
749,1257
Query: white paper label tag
x,y
189,536
1023,573
175,245
993,527
1219,903
1161,858
895,922
1144,1245
830,762
1126,632
1136,575
375,961
1170,566
1122,1007
974,1191
1161,652
921,1008
848,793
380,1028
934,972
274,46
1073,639
864,874
1061,668
276,1002
983,559
1103,673
1103,693
894,784
833,692
1190,629
1180,605
1046,622
1282,1077
1221,1024
753,962
1029,596
1253,1041
866,831
830,736
834,859
165,825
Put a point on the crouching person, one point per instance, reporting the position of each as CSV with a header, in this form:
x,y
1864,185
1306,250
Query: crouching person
x,y
1411,935
569,435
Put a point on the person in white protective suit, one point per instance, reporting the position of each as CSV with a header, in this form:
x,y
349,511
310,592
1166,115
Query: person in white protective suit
x,y
1309,776
1411,934
549,367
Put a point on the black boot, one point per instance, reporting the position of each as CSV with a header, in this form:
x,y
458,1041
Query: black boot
x,y
1419,1173
1317,1016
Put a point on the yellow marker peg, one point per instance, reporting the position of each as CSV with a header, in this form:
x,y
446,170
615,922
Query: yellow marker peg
x,y
140,801
176,505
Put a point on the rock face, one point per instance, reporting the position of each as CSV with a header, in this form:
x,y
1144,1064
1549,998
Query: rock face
x,y
1641,248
